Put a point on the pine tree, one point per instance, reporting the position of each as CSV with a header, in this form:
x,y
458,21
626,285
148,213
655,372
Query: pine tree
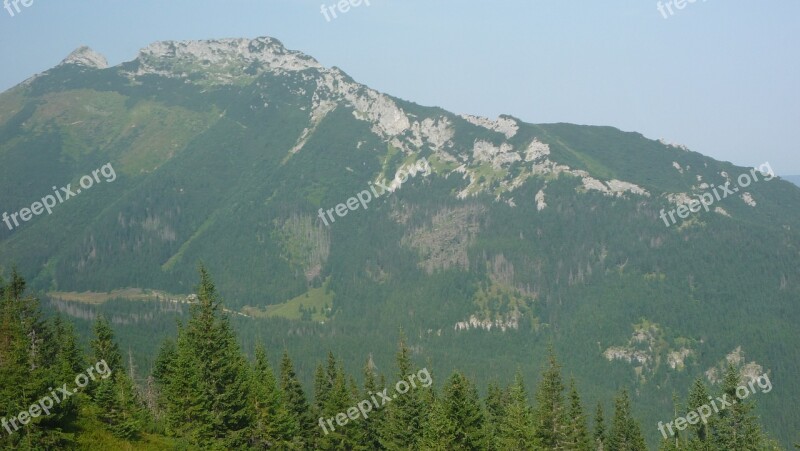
x,y
164,360
209,396
578,433
675,438
626,435
15,369
337,400
439,431
162,374
30,365
324,379
464,410
599,429
517,429
496,401
371,426
71,360
16,287
187,412
550,418
115,394
356,431
116,403
736,427
104,347
699,436
297,405
323,384
405,415
272,426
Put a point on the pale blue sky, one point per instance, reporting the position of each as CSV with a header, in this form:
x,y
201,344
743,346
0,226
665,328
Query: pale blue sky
x,y
720,76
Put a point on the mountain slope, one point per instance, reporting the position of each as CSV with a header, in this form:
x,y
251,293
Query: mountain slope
x,y
521,234
793,178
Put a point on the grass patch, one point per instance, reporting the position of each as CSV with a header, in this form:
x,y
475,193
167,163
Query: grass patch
x,y
91,434
95,298
316,300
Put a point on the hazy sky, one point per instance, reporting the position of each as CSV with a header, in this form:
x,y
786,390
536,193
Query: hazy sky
x,y
720,76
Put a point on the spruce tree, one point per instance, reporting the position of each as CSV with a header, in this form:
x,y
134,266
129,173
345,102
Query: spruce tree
x,y
496,401
30,366
120,406
104,347
187,412
164,361
699,437
323,385
578,432
272,425
371,426
439,431
626,435
736,427
550,417
405,414
209,395
162,374
337,401
297,405
15,369
465,413
69,361
355,431
324,378
516,427
70,357
599,428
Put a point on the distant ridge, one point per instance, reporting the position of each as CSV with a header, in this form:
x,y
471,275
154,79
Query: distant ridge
x,y
792,178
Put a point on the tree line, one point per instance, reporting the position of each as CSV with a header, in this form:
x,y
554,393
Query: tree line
x,y
204,393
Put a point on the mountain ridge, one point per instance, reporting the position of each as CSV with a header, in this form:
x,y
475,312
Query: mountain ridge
x,y
793,178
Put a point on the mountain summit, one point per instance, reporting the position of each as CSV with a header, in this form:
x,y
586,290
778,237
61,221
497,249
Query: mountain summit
x,y
85,56
236,58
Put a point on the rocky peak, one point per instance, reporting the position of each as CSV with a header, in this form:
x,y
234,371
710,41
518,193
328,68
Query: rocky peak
x,y
84,56
230,53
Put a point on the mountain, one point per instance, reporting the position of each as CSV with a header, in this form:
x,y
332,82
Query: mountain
x,y
792,178
484,240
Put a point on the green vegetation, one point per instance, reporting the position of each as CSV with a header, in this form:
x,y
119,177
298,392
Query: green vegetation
x,y
200,178
130,294
203,393
314,305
